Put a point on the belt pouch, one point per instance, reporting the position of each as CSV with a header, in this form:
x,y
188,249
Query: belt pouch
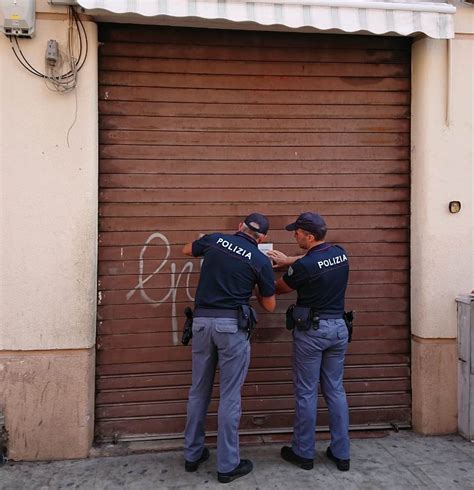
x,y
247,317
302,317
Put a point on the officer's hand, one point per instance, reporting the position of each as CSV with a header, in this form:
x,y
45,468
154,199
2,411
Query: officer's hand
x,y
279,259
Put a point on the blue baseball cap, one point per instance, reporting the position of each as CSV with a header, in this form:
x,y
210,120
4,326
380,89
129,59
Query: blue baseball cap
x,y
311,222
257,222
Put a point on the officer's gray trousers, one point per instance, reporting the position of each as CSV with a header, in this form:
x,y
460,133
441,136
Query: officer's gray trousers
x,y
217,341
318,355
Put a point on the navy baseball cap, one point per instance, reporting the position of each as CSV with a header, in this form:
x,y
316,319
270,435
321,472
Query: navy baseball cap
x,y
311,222
257,222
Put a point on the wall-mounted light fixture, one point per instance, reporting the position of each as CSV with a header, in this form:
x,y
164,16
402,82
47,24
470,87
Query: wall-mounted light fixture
x,y
454,206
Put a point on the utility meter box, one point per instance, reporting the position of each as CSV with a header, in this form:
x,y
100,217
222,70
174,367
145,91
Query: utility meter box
x,y
17,17
466,366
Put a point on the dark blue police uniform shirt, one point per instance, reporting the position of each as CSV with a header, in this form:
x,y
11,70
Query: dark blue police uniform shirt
x,y
232,266
320,278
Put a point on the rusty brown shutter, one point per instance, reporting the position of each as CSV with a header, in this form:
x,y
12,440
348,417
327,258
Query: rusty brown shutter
x,y
200,127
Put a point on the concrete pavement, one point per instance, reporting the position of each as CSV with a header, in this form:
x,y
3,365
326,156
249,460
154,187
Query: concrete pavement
x,y
401,460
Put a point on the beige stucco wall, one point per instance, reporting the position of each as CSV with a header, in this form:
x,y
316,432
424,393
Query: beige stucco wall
x,y
442,244
442,171
48,201
48,249
464,60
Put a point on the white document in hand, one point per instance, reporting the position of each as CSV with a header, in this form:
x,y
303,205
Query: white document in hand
x,y
265,247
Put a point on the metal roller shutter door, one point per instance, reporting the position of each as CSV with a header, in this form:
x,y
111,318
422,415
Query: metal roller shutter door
x,y
200,127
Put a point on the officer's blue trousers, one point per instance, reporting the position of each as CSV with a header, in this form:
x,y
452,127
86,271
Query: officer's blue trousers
x,y
217,341
318,355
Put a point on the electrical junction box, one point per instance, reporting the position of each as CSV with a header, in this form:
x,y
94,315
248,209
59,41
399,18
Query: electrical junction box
x,y
17,17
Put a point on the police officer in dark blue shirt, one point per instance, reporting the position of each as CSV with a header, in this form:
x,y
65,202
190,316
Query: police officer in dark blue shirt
x,y
232,266
320,339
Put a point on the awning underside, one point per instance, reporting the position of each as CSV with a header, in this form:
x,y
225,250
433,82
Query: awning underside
x,y
376,16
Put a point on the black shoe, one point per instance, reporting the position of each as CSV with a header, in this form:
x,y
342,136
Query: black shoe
x,y
244,468
288,455
194,465
342,464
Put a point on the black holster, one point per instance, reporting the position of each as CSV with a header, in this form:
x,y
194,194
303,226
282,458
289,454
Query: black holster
x,y
248,319
188,326
348,319
290,323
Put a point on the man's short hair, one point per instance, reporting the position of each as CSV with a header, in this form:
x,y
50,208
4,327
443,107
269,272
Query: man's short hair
x,y
252,233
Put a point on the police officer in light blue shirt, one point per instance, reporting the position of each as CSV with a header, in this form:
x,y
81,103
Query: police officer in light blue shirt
x,y
232,267
320,339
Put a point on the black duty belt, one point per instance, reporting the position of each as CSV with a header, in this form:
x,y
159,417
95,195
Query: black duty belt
x,y
330,316
215,313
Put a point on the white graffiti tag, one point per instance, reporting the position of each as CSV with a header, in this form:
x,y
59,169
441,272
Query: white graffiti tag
x,y
174,281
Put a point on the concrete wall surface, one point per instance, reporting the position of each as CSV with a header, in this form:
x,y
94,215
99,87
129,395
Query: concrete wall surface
x,y
442,170
49,403
48,249
48,200
442,243
434,386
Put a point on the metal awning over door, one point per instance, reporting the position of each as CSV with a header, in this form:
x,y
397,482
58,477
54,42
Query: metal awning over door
x,y
197,129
